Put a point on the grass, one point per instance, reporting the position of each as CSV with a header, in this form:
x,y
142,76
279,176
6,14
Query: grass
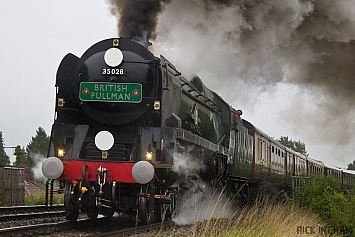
x,y
39,199
271,218
266,217
215,217
319,207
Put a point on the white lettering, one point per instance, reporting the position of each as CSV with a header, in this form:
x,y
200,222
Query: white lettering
x,y
110,96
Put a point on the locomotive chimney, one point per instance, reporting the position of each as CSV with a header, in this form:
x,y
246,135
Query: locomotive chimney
x,y
145,43
137,19
143,40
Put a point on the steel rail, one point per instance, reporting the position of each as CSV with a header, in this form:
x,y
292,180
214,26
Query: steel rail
x,y
137,229
36,215
28,209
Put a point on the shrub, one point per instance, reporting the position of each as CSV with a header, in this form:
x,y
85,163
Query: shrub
x,y
325,196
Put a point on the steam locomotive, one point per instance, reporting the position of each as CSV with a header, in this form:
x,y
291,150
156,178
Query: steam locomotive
x,y
124,118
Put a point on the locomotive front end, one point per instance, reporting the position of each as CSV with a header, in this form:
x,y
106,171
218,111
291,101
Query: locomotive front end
x,y
115,86
105,99
113,78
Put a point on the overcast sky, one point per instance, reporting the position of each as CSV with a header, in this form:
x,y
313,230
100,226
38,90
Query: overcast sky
x,y
37,34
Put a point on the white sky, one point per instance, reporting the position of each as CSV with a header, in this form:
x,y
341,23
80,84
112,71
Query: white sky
x,y
37,34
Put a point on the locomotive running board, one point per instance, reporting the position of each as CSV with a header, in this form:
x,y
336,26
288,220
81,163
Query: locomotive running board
x,y
163,166
193,138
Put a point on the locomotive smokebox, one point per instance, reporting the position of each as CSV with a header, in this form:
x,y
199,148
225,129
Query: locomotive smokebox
x,y
111,80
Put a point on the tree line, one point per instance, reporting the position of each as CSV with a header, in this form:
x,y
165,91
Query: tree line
x,y
35,150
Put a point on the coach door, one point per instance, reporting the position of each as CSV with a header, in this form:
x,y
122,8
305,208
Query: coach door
x,y
231,147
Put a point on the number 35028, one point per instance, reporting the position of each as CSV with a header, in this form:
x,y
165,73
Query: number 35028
x,y
114,71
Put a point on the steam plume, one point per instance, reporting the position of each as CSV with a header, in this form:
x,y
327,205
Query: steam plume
x,y
299,42
37,169
243,48
137,19
249,46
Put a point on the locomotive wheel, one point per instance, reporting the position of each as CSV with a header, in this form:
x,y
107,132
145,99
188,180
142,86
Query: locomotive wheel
x,y
67,198
71,213
145,216
93,213
163,211
109,212
173,207
159,211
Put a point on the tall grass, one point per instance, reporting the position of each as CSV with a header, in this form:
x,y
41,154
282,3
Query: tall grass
x,y
320,207
39,199
266,217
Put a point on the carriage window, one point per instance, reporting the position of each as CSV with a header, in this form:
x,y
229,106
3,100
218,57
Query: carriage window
x,y
260,148
265,156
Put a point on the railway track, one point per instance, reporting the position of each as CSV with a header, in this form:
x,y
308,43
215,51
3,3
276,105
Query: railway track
x,y
29,209
26,216
32,230
84,227
137,230
30,212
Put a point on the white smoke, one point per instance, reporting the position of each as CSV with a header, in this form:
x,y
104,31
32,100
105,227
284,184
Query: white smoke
x,y
37,169
186,163
243,48
199,202
201,206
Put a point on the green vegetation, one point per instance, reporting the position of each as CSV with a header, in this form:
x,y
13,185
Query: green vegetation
x,y
351,166
39,199
296,146
319,207
272,218
4,158
37,148
34,153
325,196
21,157
266,217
